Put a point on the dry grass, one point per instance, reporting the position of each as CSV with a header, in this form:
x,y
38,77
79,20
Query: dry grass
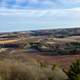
x,y
16,70
7,41
13,70
32,57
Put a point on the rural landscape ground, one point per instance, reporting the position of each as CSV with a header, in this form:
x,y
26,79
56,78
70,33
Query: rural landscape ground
x,y
33,55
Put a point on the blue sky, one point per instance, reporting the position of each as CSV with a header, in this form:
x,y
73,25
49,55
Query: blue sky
x,y
19,15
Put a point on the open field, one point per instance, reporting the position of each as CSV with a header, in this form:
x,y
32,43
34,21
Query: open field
x,y
39,55
8,41
63,61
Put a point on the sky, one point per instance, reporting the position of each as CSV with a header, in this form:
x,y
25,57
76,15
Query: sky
x,y
21,15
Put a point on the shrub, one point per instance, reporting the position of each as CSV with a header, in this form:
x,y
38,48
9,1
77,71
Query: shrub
x,y
74,71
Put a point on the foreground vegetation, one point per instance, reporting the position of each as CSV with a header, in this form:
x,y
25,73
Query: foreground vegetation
x,y
16,70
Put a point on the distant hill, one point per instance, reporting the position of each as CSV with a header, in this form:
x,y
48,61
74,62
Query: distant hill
x,y
57,32
53,42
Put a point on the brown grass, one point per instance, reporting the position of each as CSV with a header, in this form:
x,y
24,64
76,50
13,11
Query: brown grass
x,y
20,55
17,70
13,70
7,41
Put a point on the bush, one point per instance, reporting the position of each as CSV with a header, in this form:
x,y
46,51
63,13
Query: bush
x,y
74,71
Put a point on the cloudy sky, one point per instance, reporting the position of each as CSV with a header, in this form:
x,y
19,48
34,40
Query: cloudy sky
x,y
19,15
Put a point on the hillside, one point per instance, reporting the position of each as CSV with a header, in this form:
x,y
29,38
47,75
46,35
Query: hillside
x,y
56,46
54,42
57,32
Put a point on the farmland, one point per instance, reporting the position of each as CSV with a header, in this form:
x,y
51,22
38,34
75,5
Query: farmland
x,y
45,46
40,48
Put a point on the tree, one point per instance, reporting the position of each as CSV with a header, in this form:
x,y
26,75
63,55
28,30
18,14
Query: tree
x,y
74,71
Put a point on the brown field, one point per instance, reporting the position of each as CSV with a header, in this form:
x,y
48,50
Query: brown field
x,y
7,41
48,42
62,61
21,55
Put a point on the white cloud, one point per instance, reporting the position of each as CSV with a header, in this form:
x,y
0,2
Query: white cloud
x,y
75,1
34,1
29,3
20,1
39,1
41,13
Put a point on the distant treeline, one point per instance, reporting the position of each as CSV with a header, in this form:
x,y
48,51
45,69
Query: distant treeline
x,y
58,49
57,32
